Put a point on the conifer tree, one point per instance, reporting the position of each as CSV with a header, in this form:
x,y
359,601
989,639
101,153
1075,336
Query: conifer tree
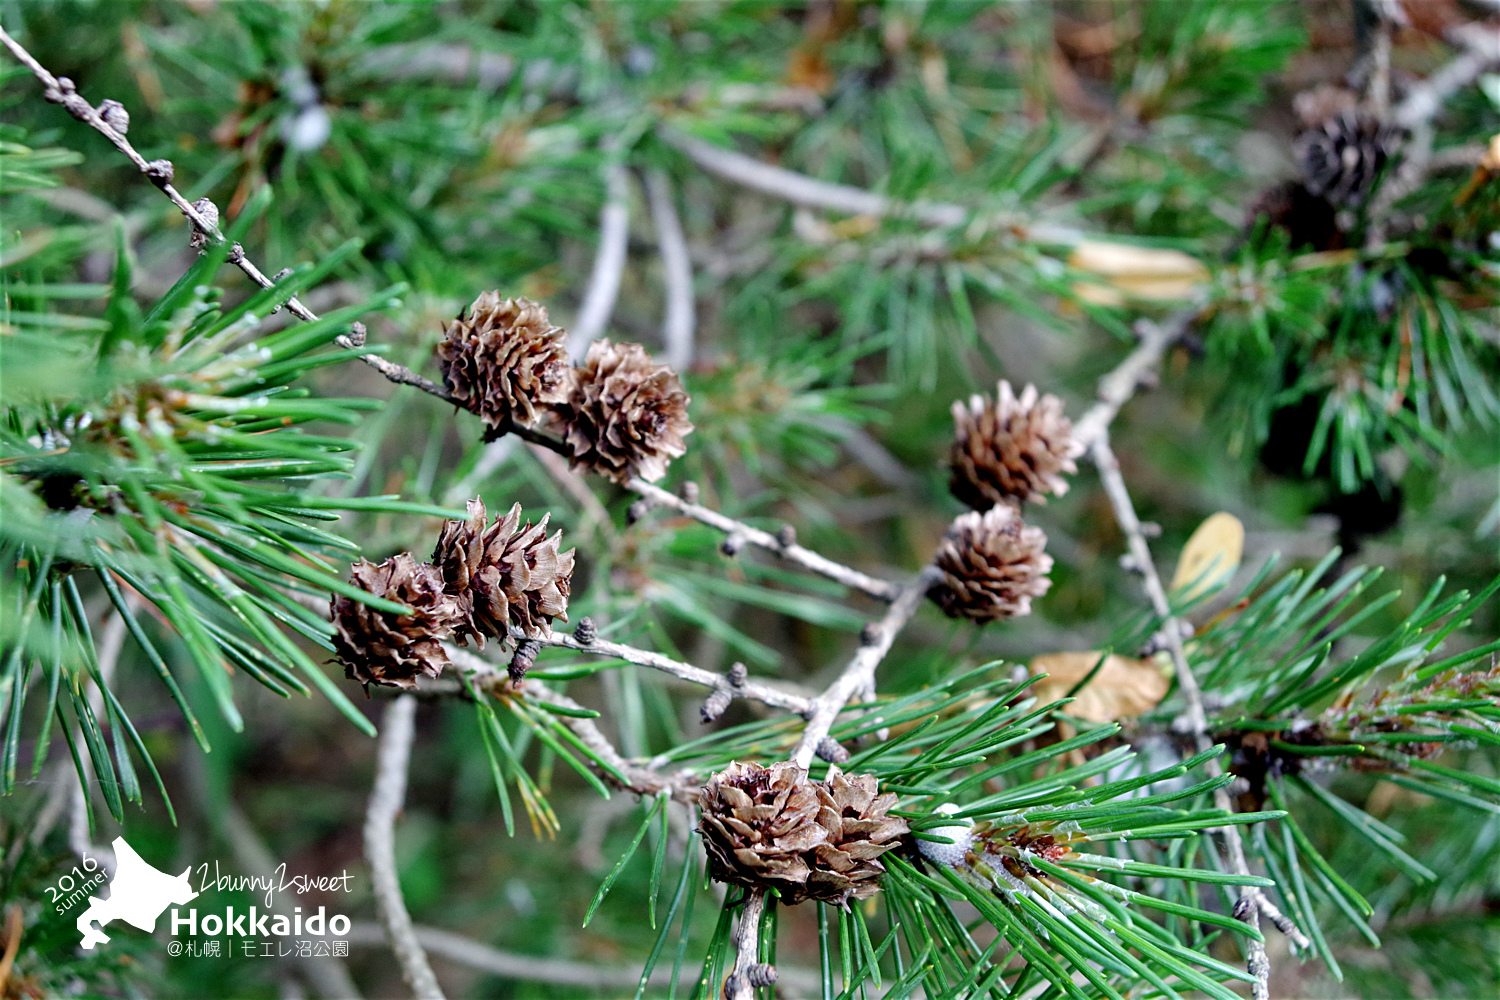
x,y
691,461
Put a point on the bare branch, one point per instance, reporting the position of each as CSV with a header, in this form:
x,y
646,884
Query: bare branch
x,y
881,590
328,976
530,968
799,189
396,730
755,690
594,514
858,677
1480,51
748,971
1138,368
60,90
609,261
639,779
1480,47
1249,906
677,271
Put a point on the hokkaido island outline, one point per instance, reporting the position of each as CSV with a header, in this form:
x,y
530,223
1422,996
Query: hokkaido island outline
x,y
137,895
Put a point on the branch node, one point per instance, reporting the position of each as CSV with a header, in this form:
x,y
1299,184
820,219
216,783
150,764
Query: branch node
x,y
870,634
524,660
210,214
636,511
715,705
761,974
732,544
718,700
160,172
113,114
787,536
832,750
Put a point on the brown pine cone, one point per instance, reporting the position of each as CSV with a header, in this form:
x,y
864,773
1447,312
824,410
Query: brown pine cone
x,y
503,360
758,825
1342,158
1011,448
993,564
504,574
625,416
382,647
859,832
810,839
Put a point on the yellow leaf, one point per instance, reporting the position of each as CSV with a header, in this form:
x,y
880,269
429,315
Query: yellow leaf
x,y
1123,688
1210,556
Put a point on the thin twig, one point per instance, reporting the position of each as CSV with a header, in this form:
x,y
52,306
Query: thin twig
x,y
1138,368
755,690
1480,47
392,761
881,590
1248,908
328,976
858,675
742,979
609,261
639,779
531,968
491,458
594,514
593,317
1480,51
677,271
799,189
60,90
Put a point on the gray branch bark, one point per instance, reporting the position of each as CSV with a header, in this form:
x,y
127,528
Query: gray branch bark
x,y
392,761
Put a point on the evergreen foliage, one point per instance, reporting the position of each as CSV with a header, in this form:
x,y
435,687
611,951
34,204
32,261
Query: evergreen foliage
x,y
887,207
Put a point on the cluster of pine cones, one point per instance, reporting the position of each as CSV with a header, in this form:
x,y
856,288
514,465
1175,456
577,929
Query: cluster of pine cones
x,y
1007,451
620,414
483,580
821,840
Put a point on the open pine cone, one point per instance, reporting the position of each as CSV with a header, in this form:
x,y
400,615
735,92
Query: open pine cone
x,y
503,360
859,832
1011,448
993,564
625,416
383,647
810,839
758,823
504,574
